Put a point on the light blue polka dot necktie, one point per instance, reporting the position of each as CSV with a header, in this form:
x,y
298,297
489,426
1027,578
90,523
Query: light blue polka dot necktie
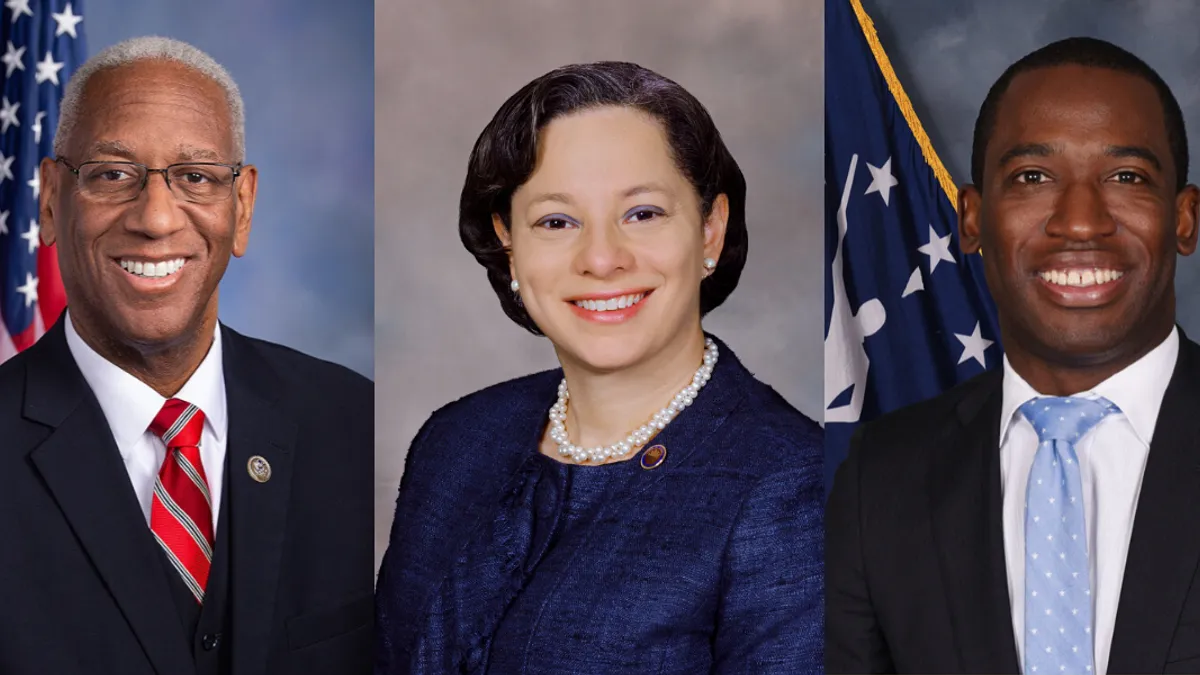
x,y
1058,595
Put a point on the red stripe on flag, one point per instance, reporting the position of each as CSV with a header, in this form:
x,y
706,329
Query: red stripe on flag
x,y
52,301
52,298
25,339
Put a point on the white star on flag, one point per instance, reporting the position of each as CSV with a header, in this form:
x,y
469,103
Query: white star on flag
x,y
915,283
938,249
31,235
882,180
66,21
18,8
13,59
29,289
8,116
47,69
47,48
37,126
973,346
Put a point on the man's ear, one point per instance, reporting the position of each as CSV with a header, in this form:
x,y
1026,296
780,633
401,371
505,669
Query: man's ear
x,y
969,201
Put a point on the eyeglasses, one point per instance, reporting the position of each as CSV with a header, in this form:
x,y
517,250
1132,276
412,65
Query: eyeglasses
x,y
118,182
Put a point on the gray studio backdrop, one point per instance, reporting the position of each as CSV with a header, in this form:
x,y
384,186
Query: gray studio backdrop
x,y
947,55
304,68
442,70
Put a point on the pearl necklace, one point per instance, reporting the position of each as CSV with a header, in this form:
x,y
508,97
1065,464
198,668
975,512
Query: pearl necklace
x,y
641,435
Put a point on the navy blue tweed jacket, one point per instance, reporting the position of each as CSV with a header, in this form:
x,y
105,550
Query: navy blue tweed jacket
x,y
709,563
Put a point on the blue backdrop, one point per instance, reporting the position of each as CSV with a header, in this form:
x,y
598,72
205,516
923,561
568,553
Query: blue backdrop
x,y
305,69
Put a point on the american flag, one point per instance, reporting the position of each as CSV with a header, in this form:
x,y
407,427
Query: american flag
x,y
44,44
907,315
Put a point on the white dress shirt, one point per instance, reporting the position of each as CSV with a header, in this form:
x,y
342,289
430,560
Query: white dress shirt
x,y
130,405
1112,459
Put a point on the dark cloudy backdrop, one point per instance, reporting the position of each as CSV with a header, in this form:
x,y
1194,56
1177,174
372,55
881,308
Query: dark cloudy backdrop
x,y
947,54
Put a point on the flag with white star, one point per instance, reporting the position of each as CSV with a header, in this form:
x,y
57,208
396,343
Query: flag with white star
x,y
907,315
43,44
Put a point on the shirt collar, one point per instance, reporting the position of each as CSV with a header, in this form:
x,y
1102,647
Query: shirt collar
x,y
130,405
1137,390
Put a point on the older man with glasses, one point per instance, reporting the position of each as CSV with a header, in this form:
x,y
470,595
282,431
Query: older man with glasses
x,y
174,497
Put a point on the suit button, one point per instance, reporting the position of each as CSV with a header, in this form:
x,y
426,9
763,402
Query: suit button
x,y
211,641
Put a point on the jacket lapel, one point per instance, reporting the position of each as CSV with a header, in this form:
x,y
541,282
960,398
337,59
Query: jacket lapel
x,y
258,510
689,438
82,468
1165,547
965,502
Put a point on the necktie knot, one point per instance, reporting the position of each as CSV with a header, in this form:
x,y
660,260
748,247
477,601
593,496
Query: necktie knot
x,y
179,424
1057,418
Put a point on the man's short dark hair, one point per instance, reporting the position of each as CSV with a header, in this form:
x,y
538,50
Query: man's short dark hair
x,y
1093,53
505,153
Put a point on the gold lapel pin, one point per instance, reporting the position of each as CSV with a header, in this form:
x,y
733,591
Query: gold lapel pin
x,y
259,469
654,456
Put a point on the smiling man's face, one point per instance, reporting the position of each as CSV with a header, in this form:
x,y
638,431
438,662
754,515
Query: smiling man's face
x,y
1078,216
144,272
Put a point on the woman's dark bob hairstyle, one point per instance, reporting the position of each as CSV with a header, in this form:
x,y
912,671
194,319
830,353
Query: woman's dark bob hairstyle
x,y
504,157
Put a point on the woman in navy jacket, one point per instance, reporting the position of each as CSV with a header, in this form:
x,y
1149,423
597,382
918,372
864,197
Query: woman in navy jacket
x,y
650,507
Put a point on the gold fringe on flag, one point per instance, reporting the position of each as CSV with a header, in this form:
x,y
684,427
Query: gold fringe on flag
x,y
910,115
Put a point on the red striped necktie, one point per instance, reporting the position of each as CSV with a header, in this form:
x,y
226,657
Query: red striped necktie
x,y
181,510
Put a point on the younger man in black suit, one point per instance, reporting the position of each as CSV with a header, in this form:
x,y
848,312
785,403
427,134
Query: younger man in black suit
x,y
1042,518
175,498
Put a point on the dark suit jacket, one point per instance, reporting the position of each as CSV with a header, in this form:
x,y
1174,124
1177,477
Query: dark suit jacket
x,y
915,552
709,563
82,585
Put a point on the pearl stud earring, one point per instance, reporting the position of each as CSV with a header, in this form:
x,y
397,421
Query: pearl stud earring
x,y
515,285
710,264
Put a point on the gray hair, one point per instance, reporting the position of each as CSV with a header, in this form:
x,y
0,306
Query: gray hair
x,y
143,49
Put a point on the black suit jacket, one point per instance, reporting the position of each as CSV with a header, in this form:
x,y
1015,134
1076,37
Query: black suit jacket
x,y
915,569
82,585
